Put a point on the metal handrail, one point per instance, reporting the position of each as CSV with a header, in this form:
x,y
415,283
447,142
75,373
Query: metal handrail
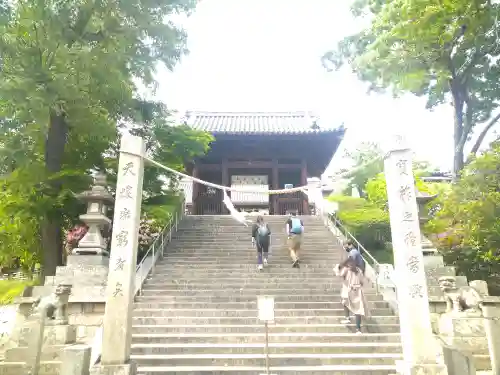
x,y
329,219
360,247
162,240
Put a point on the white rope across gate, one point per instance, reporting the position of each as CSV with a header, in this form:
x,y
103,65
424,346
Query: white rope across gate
x,y
243,190
240,216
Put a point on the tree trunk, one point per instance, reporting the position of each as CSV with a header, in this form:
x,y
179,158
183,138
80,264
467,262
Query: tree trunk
x,y
458,163
458,129
51,233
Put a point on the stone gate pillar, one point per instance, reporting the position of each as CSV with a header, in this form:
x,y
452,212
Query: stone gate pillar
x,y
421,354
117,324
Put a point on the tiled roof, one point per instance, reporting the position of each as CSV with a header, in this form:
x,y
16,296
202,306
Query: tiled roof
x,y
257,123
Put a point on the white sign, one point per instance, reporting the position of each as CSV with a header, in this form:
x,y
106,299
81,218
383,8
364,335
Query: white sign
x,y
288,186
266,308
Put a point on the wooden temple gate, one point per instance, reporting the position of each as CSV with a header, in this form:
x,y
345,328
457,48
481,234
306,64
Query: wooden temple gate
x,y
259,151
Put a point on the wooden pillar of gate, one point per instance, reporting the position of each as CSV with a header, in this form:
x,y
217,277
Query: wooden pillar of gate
x,y
225,182
273,199
196,191
303,182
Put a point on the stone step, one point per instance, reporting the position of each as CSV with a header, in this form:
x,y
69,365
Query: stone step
x,y
384,322
247,298
211,242
184,236
237,287
232,277
284,271
198,310
234,244
233,313
288,275
274,348
250,305
242,291
248,248
251,257
150,334
288,370
211,267
285,289
253,277
258,359
251,260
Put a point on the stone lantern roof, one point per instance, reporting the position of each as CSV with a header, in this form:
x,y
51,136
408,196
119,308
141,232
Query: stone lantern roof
x,y
98,192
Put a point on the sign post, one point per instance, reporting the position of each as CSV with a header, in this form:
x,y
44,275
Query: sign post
x,y
265,305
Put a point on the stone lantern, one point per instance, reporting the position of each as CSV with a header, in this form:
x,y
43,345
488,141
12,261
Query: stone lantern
x,y
97,198
431,254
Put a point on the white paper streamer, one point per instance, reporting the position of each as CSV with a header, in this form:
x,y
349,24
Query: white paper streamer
x,y
238,216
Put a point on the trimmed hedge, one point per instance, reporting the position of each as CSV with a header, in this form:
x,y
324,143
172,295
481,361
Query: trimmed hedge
x,y
368,223
348,203
370,226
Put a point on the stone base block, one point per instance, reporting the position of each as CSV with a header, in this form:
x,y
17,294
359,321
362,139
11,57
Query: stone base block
x,y
467,344
461,326
17,368
458,363
88,294
405,368
56,335
79,258
76,360
12,368
53,335
83,274
19,354
128,369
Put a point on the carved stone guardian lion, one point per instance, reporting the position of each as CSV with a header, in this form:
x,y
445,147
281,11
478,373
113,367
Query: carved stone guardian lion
x,y
465,299
54,306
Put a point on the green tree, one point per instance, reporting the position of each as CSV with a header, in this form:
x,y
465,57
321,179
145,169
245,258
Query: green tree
x,y
468,225
367,160
376,189
69,74
444,51
368,164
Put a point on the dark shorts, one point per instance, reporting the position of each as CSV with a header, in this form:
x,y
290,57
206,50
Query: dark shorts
x,y
262,245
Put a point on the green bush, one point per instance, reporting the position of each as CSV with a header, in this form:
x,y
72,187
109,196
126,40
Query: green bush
x,y
369,225
10,289
348,203
155,216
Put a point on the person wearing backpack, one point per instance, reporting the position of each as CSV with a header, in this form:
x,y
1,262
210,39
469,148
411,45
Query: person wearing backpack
x,y
355,254
261,238
294,229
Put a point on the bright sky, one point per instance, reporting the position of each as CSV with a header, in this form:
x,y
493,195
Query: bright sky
x,y
264,55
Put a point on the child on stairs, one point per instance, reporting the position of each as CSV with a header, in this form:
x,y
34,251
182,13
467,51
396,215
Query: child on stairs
x,y
352,294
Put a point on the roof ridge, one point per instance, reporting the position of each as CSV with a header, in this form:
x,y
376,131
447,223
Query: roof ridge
x,y
297,122
250,113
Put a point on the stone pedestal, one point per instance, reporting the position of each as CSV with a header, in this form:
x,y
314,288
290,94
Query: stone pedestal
x,y
39,348
458,363
87,300
491,311
125,369
465,332
404,368
76,360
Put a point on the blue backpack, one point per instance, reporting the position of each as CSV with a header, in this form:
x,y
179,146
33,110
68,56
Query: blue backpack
x,y
296,226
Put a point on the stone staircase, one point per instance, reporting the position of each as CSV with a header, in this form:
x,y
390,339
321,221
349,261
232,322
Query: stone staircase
x,y
198,311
